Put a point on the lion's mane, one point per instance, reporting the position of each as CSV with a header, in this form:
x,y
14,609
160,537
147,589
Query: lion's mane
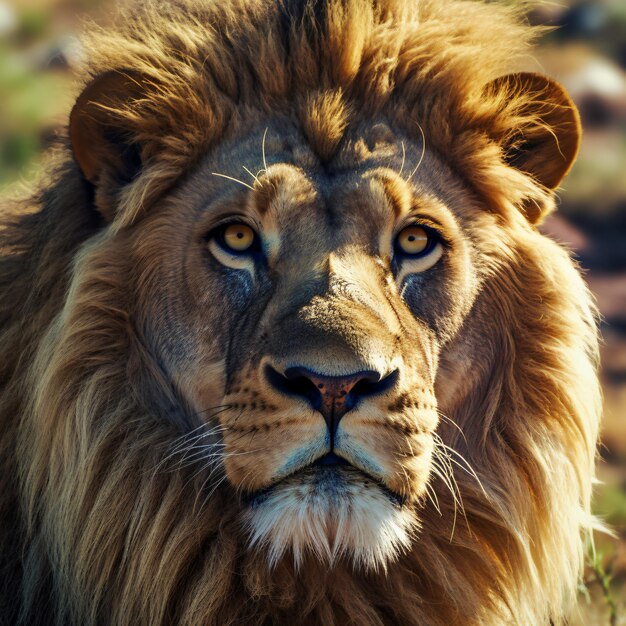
x,y
91,533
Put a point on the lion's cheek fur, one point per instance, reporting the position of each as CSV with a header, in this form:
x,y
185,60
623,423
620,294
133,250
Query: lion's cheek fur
x,y
255,457
398,458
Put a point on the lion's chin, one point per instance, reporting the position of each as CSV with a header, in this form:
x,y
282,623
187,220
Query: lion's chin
x,y
330,513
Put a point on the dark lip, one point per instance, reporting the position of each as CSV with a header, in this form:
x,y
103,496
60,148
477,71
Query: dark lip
x,y
330,459
325,463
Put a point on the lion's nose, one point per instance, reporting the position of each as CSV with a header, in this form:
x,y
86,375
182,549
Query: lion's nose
x,y
332,396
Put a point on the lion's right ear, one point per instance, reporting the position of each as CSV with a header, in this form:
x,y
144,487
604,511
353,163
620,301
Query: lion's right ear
x,y
102,140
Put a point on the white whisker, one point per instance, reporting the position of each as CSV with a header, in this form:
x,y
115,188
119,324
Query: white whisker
x,y
263,150
256,180
403,159
233,179
421,156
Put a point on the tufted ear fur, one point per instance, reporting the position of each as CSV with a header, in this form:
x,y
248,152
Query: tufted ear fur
x,y
102,143
546,143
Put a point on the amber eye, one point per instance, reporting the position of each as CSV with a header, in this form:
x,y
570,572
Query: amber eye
x,y
238,238
414,240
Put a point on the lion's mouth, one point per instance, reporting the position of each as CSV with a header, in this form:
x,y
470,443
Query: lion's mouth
x,y
330,459
330,472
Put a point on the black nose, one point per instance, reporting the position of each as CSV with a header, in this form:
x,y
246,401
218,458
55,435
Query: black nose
x,y
332,396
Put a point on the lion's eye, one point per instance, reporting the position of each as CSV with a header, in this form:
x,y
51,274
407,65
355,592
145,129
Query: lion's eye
x,y
237,238
414,241
417,248
235,245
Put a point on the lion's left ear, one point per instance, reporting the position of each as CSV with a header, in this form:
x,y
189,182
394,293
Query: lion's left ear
x,y
547,143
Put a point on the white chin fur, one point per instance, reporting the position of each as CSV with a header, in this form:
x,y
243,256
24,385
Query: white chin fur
x,y
330,513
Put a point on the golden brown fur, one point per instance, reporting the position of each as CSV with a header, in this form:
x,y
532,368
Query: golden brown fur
x,y
102,519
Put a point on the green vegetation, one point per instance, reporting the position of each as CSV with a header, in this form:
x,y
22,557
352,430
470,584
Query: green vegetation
x,y
31,105
610,505
603,576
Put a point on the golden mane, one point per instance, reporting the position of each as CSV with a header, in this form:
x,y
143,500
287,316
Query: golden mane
x,y
139,544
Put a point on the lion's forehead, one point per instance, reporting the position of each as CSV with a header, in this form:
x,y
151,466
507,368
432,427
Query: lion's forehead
x,y
377,177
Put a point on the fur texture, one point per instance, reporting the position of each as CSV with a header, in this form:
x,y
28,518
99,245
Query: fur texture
x,y
139,430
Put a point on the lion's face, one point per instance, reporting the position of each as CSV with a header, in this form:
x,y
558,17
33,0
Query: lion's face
x,y
309,310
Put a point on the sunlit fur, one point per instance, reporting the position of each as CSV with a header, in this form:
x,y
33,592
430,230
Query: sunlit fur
x,y
362,525
110,511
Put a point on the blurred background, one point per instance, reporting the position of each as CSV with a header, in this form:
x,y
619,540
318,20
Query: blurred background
x,y
586,52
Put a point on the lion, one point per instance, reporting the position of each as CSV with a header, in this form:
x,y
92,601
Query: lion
x,y
281,340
